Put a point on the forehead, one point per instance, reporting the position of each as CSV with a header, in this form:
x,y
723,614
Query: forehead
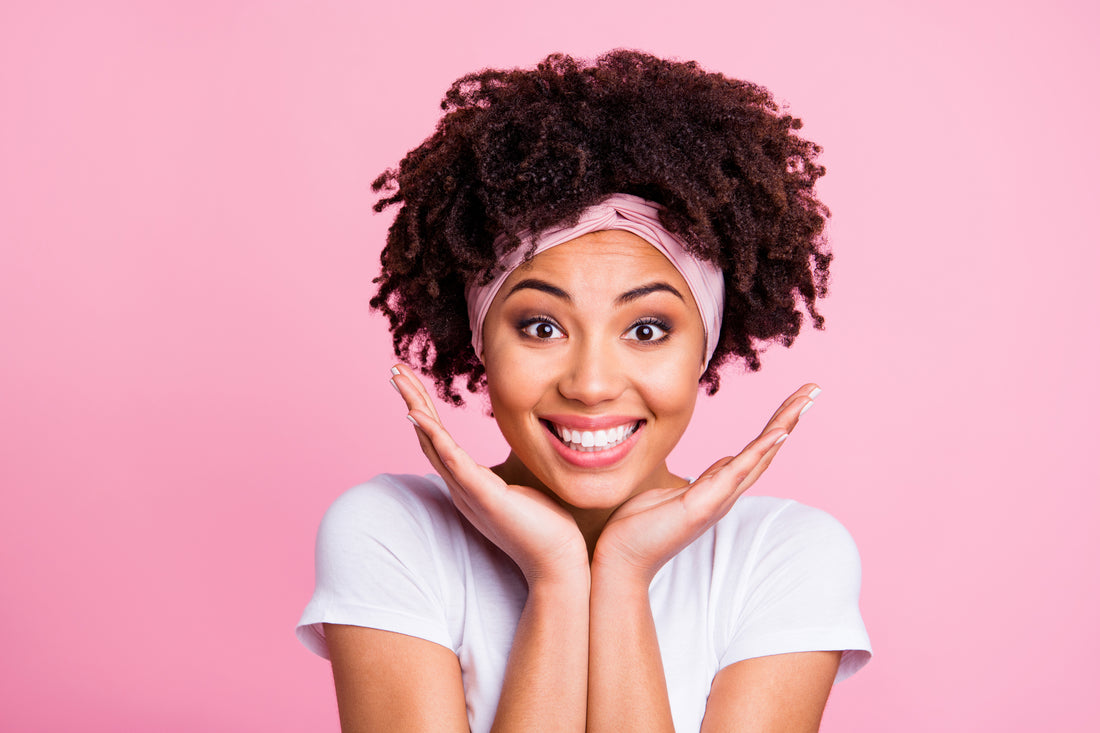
x,y
599,256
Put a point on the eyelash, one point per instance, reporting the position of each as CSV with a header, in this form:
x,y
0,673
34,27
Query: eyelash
x,y
526,323
655,322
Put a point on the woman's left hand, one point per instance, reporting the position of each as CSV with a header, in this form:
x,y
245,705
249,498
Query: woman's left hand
x,y
651,528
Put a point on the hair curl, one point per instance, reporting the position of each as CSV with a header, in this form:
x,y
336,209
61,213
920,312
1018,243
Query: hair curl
x,y
527,149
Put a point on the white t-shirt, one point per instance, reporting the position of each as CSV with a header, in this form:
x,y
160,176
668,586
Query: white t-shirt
x,y
773,576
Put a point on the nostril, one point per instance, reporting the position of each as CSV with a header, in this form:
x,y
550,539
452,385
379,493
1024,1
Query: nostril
x,y
591,384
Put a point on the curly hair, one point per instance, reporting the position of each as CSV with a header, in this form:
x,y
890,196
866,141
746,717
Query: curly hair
x,y
521,150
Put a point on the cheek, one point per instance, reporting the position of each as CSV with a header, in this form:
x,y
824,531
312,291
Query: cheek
x,y
502,399
514,391
672,389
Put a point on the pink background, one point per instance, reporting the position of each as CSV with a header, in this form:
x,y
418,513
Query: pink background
x,y
189,372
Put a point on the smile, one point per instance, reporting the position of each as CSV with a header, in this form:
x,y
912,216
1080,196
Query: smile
x,y
593,441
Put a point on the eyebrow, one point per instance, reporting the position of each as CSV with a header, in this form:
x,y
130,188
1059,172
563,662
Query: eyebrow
x,y
644,290
532,283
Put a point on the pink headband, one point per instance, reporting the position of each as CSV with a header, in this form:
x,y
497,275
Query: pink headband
x,y
619,211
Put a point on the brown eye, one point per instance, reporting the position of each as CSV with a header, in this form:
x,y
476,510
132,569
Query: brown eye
x,y
646,332
543,330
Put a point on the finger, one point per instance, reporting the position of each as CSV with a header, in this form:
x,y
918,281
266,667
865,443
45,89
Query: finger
x,y
749,455
468,477
466,480
803,396
445,447
762,465
413,390
417,399
757,456
428,447
458,491
717,488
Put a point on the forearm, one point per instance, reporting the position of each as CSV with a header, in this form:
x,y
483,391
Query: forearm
x,y
546,681
626,682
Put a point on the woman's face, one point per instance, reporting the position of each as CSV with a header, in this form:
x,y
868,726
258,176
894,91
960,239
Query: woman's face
x,y
593,353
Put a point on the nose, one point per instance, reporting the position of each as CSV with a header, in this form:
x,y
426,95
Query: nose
x,y
593,373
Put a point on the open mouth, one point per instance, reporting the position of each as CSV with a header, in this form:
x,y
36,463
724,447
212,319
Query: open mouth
x,y
593,441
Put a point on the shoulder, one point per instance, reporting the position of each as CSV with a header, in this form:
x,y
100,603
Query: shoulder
x,y
797,573
385,559
770,524
390,497
410,515
391,489
780,542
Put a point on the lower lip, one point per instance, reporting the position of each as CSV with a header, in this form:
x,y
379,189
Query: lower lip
x,y
596,458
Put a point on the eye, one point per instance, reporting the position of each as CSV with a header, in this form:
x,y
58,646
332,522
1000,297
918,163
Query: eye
x,y
649,331
541,329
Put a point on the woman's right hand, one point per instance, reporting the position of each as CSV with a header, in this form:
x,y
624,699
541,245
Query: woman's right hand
x,y
538,534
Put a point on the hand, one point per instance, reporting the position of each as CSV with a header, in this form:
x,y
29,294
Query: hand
x,y
649,529
538,534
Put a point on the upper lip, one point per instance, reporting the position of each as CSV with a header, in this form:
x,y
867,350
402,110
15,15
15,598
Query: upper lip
x,y
599,422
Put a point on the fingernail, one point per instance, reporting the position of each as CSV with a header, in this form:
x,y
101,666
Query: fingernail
x,y
395,371
394,385
807,407
780,439
414,422
816,391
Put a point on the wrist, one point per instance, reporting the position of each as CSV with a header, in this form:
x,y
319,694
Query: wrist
x,y
620,579
567,601
569,581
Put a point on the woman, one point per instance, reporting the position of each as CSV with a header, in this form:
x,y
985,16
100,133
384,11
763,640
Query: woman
x,y
589,244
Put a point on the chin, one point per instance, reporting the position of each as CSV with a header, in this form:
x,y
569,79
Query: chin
x,y
593,490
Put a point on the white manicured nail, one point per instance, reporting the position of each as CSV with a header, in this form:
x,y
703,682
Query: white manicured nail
x,y
394,385
414,422
781,438
816,391
807,407
395,371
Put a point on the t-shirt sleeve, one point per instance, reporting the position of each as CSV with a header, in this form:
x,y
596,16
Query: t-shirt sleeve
x,y
801,592
377,563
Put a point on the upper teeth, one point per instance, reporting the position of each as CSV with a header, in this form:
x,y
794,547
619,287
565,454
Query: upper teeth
x,y
593,440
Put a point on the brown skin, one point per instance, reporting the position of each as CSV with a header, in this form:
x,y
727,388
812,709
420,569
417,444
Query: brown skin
x,y
391,682
594,365
585,654
528,149
524,150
